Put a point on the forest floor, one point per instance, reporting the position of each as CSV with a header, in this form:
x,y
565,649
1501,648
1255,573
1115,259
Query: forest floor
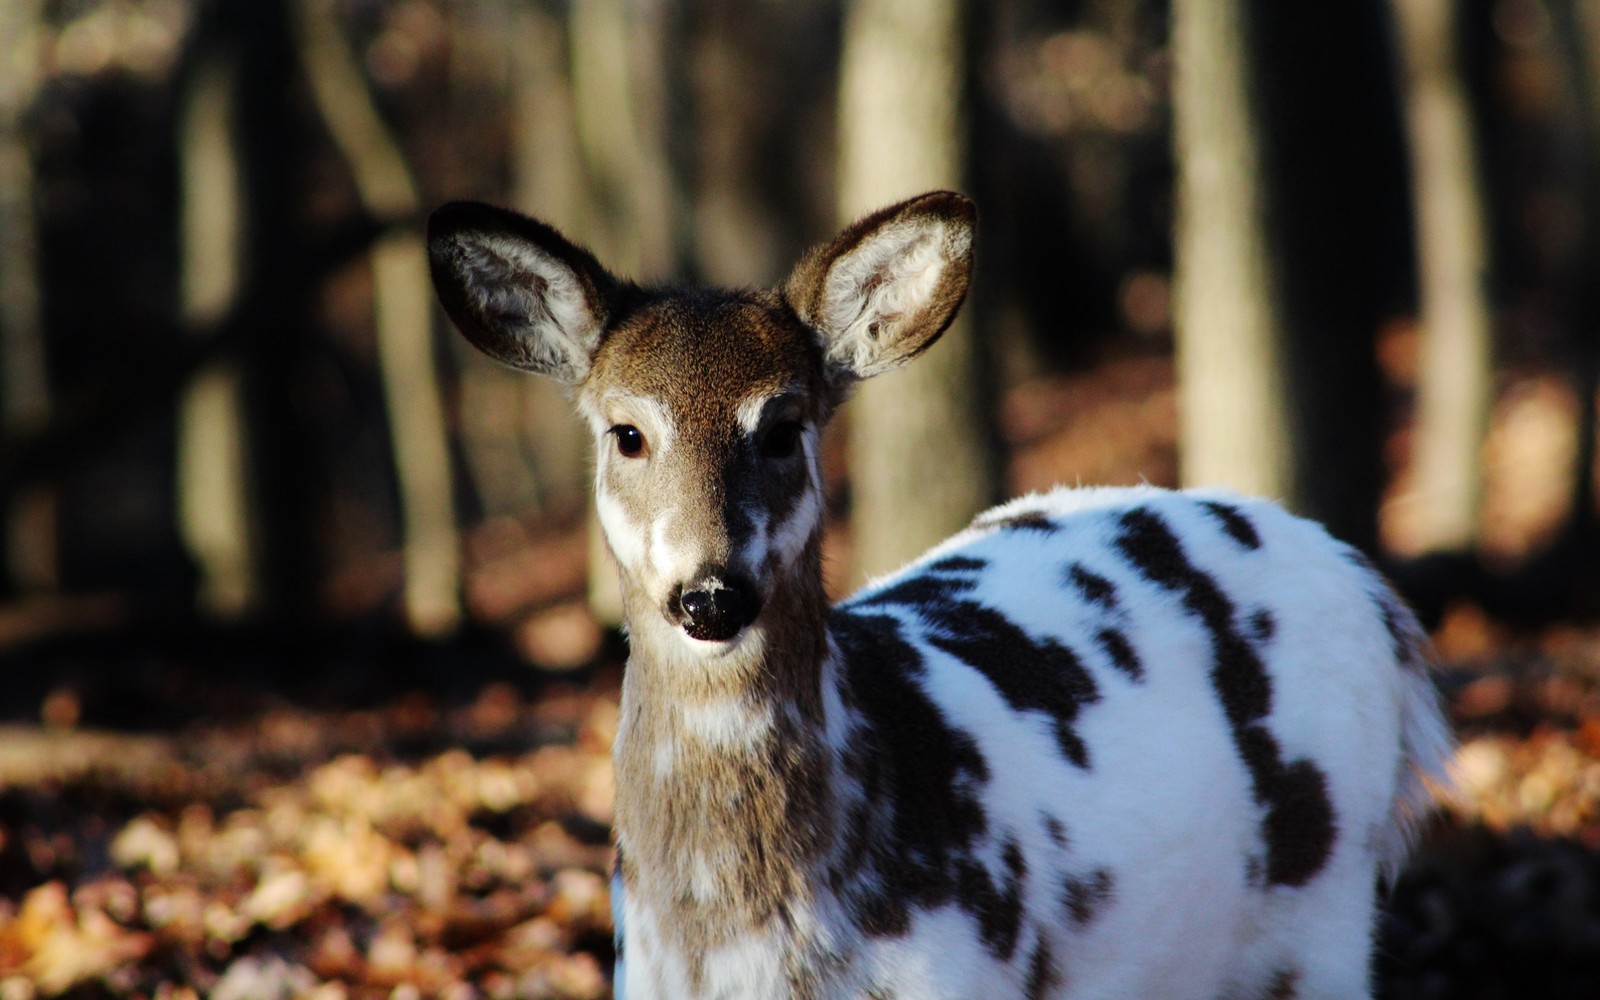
x,y
242,820
457,846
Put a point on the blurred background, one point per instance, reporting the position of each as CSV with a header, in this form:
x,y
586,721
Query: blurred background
x,y
1345,260
271,528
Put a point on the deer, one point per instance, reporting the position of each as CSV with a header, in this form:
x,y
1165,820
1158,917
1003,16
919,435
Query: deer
x,y
1104,742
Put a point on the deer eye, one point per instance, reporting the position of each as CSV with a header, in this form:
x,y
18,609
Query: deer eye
x,y
630,443
781,439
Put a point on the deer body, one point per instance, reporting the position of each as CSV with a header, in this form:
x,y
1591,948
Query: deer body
x,y
1104,743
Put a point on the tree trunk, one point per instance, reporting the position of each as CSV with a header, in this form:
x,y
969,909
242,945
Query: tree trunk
x,y
1232,415
402,314
617,85
213,490
1288,149
922,460
27,555
548,182
1455,380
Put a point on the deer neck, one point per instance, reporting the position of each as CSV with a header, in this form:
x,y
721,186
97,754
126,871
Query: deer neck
x,y
721,765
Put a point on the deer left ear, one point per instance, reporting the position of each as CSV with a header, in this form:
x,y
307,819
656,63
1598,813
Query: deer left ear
x,y
885,289
519,290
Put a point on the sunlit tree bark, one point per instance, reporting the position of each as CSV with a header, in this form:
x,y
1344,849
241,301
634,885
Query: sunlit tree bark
x,y
617,87
1233,419
1455,385
922,460
213,509
1289,185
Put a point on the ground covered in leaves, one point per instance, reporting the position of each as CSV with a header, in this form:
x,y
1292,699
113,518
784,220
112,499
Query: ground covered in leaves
x,y
408,850
455,845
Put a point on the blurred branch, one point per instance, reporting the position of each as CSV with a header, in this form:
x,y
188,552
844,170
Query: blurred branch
x,y
403,313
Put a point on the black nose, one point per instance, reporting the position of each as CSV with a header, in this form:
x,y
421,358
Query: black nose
x,y
715,609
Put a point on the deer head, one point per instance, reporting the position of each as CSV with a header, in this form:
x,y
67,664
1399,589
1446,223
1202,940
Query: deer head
x,y
706,405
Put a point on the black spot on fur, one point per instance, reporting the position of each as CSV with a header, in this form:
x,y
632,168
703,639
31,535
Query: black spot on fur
x,y
1285,985
1234,523
928,769
1085,897
911,843
1263,625
958,564
616,936
1054,829
998,908
1095,588
1042,972
918,591
1032,675
1255,872
1299,826
1121,653
1028,520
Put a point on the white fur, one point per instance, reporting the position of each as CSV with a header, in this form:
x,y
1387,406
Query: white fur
x,y
891,275
510,272
1165,804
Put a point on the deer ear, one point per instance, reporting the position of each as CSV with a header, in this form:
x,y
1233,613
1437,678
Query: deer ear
x,y
518,290
885,289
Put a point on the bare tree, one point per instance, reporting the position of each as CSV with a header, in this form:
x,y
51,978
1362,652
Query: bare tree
x,y
1455,380
618,93
213,488
1233,418
922,460
29,559
1289,165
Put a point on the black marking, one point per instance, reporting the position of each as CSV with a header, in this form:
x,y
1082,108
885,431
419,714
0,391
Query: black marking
x,y
1299,826
616,921
1238,527
1084,898
922,776
1121,652
1054,829
1263,625
1028,520
1043,976
997,908
1043,676
918,592
1284,985
1255,872
1095,588
1406,638
959,564
1038,675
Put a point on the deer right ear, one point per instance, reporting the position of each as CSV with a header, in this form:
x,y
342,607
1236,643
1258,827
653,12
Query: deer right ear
x,y
518,290
885,289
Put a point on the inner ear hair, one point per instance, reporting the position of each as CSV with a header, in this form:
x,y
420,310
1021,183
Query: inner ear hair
x,y
518,290
884,290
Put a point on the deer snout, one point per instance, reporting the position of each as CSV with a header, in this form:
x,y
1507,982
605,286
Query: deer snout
x,y
715,607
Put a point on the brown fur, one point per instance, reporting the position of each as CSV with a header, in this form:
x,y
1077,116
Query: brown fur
x,y
752,816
